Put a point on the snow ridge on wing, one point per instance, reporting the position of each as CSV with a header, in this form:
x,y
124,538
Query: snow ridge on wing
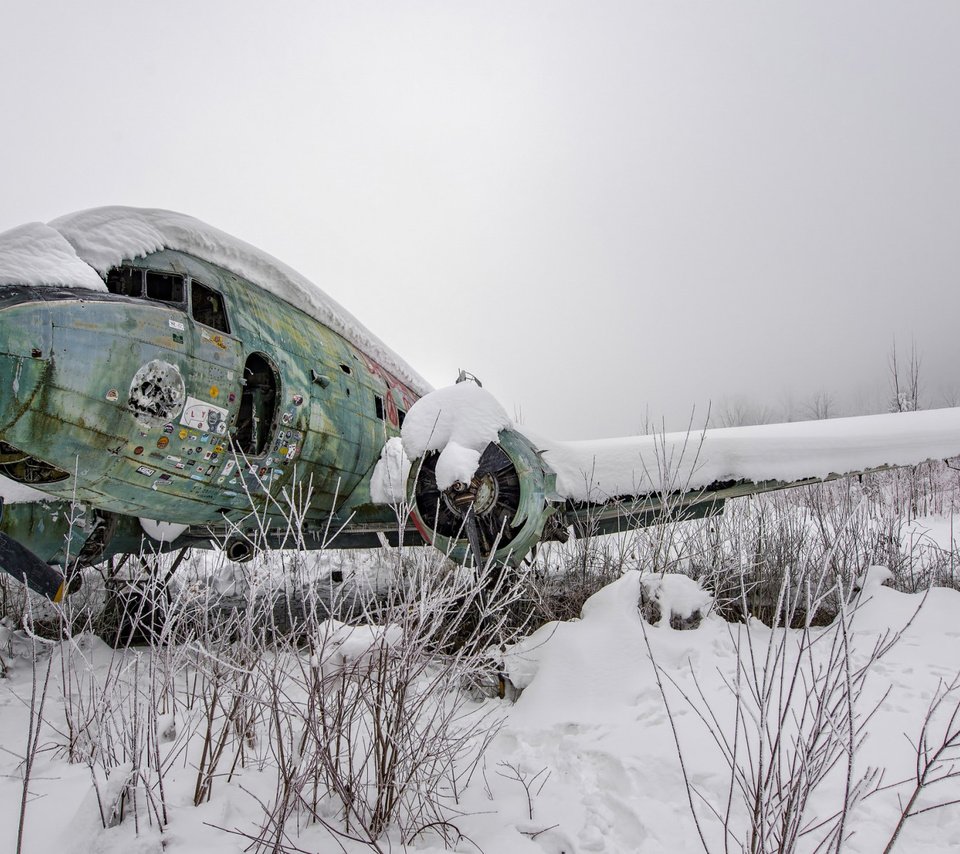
x,y
601,469
466,416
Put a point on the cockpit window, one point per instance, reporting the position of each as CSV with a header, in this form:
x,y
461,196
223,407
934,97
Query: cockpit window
x,y
135,282
166,287
126,281
208,307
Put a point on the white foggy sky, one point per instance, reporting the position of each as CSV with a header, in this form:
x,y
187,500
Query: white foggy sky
x,y
601,209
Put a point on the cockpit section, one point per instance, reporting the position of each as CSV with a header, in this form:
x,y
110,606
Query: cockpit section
x,y
206,305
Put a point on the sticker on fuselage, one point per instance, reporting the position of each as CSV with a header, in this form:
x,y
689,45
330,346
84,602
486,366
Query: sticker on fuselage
x,y
204,416
216,340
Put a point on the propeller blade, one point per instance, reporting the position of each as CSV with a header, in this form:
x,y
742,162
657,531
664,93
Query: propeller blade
x,y
493,460
25,566
473,536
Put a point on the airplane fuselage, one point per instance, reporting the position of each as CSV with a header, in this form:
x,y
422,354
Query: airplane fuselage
x,y
189,395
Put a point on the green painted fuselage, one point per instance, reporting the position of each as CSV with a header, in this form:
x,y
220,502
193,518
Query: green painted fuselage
x,y
161,408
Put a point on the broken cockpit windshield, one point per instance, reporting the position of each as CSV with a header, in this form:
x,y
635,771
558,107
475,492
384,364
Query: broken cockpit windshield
x,y
207,305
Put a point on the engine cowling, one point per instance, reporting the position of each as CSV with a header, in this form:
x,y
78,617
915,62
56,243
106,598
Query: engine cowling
x,y
500,515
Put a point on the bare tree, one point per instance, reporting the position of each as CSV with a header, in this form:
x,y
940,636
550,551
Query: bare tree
x,y
740,412
821,406
904,386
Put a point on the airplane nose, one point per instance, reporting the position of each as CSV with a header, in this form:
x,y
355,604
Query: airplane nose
x,y
24,352
20,380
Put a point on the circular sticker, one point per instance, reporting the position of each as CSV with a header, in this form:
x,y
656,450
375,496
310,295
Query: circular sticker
x,y
162,442
138,450
214,391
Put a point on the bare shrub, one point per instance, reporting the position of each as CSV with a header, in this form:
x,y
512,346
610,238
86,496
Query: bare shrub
x,y
376,726
937,750
794,721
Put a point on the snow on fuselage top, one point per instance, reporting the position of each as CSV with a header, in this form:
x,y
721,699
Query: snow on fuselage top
x,y
35,254
78,249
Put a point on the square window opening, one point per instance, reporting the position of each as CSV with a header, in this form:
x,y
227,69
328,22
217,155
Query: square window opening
x,y
208,307
166,287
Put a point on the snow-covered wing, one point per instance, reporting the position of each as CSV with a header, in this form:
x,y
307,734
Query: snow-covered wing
x,y
599,470
103,237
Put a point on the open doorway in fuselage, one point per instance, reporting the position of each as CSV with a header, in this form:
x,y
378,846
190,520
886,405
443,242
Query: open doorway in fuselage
x,y
258,404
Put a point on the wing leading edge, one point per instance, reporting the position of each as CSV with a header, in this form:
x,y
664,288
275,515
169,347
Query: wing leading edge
x,y
613,484
544,487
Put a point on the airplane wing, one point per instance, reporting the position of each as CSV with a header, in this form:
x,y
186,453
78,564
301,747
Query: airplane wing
x,y
478,478
613,484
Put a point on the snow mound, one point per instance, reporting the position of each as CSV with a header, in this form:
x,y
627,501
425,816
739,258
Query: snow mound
x,y
388,485
673,597
873,577
459,421
35,254
594,669
354,650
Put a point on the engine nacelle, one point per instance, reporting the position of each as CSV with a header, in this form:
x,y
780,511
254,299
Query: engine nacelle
x,y
512,496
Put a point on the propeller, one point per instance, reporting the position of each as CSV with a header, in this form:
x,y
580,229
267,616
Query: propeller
x,y
499,515
485,509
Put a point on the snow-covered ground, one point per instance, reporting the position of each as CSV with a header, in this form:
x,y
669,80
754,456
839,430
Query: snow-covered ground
x,y
586,758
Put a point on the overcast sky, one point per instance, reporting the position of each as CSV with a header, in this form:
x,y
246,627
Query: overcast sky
x,y
602,209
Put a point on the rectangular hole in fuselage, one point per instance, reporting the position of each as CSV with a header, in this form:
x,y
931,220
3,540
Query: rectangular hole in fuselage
x,y
208,307
126,281
166,287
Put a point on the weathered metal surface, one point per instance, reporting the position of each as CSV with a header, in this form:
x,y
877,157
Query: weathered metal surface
x,y
140,404
24,565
